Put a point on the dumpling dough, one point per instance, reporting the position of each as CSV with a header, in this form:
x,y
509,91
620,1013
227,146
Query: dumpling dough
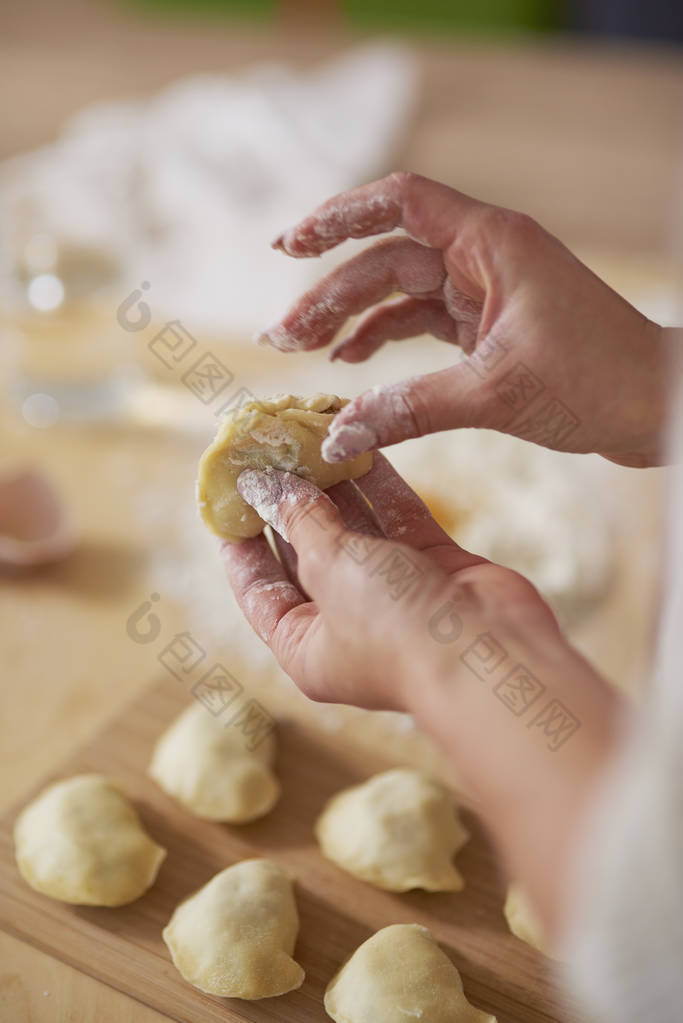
x,y
400,973
236,935
284,432
210,770
522,919
81,841
399,830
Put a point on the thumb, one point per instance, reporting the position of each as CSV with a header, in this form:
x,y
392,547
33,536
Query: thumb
x,y
387,414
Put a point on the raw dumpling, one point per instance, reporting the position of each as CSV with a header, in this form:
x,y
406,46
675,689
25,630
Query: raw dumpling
x,y
236,935
522,919
400,973
284,432
210,769
81,841
399,830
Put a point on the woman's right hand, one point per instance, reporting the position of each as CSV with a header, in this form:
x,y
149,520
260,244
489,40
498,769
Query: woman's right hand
x,y
384,610
554,355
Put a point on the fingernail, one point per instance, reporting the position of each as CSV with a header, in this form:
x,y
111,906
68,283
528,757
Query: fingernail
x,y
262,489
291,245
281,241
348,441
277,337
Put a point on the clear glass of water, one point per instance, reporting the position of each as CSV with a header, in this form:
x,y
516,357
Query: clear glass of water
x,y
69,359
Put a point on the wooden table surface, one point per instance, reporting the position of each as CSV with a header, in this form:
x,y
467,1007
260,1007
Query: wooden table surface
x,y
587,139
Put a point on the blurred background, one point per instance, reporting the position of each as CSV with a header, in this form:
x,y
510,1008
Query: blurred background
x,y
150,151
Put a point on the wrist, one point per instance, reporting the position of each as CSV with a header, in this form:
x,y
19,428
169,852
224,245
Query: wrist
x,y
530,728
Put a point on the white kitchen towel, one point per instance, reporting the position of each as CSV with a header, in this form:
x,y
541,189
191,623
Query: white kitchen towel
x,y
186,190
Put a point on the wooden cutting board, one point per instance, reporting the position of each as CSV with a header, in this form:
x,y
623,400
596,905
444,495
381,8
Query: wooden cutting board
x,y
123,947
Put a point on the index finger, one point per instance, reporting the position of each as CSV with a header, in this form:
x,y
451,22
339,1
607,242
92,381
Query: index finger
x,y
427,210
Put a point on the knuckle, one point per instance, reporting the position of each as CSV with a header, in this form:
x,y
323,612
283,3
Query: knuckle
x,y
524,605
523,589
402,179
379,257
300,514
318,562
284,641
405,183
519,228
419,410
522,225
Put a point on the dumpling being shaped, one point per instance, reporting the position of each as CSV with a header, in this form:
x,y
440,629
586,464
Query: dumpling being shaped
x,y
400,973
399,830
284,432
81,841
210,769
235,937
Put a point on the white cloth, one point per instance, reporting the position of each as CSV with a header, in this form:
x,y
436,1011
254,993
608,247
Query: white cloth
x,y
185,190
624,947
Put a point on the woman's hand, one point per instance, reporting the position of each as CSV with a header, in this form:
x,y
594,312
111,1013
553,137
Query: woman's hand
x,y
554,355
377,580
373,604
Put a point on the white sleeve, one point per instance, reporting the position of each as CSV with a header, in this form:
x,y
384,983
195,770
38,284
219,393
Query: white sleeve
x,y
624,945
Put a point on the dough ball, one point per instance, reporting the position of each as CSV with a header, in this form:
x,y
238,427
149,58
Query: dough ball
x,y
284,432
522,919
210,769
81,841
400,973
236,935
399,830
